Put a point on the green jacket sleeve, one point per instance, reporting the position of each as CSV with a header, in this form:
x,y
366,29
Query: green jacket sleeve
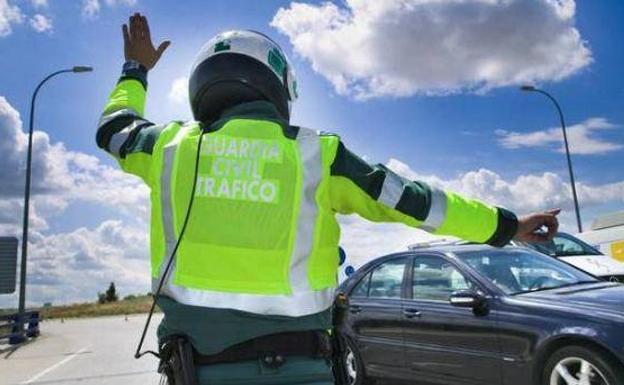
x,y
378,194
122,130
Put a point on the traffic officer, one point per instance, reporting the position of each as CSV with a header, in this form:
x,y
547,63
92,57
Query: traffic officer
x,y
243,230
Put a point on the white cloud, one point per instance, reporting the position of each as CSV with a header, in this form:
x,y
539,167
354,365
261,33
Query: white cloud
x,y
524,194
39,4
41,23
129,3
179,90
92,8
405,47
12,14
11,216
60,176
581,138
9,15
76,265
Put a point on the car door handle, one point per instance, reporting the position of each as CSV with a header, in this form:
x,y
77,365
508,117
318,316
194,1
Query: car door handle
x,y
411,313
355,309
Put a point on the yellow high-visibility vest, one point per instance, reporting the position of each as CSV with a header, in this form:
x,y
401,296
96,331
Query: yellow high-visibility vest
x,y
262,236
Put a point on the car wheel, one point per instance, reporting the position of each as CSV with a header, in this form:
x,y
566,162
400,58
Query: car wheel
x,y
354,367
577,365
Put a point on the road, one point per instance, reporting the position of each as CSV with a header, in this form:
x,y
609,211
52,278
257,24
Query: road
x,y
86,351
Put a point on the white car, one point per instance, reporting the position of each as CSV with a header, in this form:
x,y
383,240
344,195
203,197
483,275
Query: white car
x,y
607,235
581,255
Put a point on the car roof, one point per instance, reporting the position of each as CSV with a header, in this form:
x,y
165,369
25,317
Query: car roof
x,y
449,250
456,248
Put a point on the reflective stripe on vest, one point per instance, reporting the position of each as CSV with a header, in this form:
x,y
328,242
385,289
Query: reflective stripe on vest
x,y
297,304
117,114
302,300
310,152
166,199
119,138
437,211
391,190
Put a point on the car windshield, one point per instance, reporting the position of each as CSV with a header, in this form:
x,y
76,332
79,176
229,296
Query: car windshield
x,y
564,245
520,270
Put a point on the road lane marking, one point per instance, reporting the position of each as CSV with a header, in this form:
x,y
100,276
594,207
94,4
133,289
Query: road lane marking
x,y
51,368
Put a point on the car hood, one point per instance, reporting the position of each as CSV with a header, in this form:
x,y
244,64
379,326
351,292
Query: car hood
x,y
599,265
595,299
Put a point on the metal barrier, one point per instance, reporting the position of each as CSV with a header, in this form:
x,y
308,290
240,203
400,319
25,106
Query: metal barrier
x,y
11,325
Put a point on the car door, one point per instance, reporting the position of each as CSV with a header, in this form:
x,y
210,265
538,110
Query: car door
x,y
443,341
375,315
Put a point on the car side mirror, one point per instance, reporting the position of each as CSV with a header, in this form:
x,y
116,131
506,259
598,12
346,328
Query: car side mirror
x,y
465,298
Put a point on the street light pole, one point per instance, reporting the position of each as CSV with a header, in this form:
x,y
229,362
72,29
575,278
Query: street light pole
x,y
530,88
22,290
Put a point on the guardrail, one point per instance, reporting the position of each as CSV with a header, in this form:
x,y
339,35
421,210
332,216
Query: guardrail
x,y
10,327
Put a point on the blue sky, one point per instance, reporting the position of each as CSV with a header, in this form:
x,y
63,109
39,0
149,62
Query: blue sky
x,y
463,125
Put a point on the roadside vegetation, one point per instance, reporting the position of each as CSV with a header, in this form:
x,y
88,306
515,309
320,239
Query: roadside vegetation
x,y
129,305
105,304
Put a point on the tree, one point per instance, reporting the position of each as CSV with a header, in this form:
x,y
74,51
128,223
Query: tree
x,y
111,293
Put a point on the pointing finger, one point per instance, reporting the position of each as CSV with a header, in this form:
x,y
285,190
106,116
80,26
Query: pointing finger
x,y
554,212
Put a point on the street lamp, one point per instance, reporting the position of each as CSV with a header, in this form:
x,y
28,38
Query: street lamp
x,y
530,88
22,291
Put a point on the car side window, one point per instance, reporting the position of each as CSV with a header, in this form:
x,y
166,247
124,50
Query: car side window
x,y
434,278
387,279
565,246
361,289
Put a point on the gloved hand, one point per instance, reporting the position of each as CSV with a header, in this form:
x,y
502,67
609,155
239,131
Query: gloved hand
x,y
138,42
529,227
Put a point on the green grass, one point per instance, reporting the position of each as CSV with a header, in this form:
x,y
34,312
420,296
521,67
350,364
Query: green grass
x,y
136,305
7,311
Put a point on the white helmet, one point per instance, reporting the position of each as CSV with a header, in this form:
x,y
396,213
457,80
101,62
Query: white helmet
x,y
240,66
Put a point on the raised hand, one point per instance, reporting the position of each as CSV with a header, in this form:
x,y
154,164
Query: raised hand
x,y
530,227
138,42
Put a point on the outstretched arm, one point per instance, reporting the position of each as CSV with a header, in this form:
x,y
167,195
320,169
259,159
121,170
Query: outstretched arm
x,y
122,131
380,195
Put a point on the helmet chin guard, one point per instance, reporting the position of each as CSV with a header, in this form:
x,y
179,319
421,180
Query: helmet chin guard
x,y
236,67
